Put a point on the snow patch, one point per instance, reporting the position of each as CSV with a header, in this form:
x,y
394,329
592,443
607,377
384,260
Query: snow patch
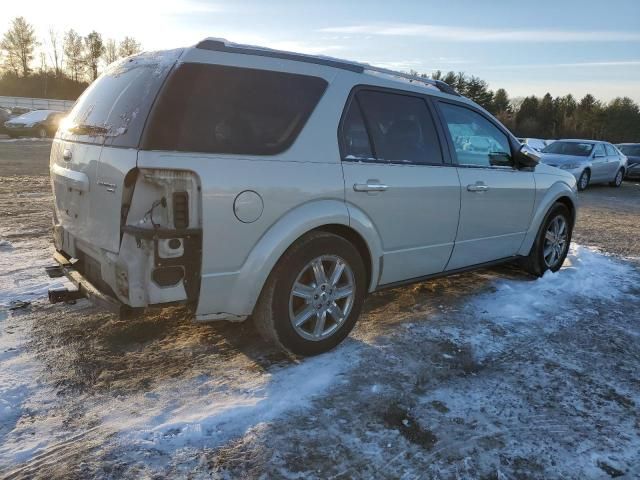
x,y
22,275
586,273
183,416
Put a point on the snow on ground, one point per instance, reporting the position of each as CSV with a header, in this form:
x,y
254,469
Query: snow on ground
x,y
521,379
22,139
22,275
22,281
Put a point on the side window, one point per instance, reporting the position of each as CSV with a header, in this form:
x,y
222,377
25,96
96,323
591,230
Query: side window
x,y
477,141
599,151
401,128
221,109
610,149
355,138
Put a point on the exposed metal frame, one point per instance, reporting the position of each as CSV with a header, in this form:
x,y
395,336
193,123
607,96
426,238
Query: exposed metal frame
x,y
220,45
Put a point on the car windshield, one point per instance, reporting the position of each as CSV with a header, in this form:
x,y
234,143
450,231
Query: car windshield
x,y
633,150
35,116
578,149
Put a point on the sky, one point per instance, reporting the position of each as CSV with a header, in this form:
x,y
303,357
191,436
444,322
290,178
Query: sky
x,y
559,46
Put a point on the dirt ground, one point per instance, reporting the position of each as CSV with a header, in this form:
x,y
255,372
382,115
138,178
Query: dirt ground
x,y
487,375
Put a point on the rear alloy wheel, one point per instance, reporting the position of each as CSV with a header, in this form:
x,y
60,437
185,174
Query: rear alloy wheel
x,y
313,296
321,297
583,181
552,243
618,180
42,133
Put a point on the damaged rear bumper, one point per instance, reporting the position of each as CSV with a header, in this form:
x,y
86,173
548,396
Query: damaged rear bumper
x,y
84,289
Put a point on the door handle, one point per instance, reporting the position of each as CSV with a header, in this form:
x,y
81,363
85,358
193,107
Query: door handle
x,y
370,187
477,187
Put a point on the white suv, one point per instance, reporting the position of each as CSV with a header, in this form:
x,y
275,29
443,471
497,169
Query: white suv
x,y
251,182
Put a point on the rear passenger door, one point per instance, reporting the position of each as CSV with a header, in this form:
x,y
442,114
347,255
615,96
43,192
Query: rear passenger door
x,y
395,172
497,199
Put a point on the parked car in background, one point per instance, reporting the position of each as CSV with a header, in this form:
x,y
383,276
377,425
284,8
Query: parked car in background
x,y
37,123
535,143
632,152
5,115
590,161
17,111
290,191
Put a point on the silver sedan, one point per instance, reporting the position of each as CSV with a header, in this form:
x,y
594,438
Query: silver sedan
x,y
590,161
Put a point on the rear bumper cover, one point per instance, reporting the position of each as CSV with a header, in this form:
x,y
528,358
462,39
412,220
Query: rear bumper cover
x,y
87,290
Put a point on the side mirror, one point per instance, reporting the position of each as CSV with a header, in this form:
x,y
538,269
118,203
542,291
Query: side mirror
x,y
527,157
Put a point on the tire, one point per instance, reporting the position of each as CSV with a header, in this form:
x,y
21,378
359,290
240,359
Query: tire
x,y
617,181
278,306
537,263
583,181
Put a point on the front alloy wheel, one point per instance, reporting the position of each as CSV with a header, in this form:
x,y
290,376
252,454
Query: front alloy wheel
x,y
556,241
552,243
583,181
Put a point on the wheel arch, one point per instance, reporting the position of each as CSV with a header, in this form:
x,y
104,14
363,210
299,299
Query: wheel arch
x,y
559,192
322,215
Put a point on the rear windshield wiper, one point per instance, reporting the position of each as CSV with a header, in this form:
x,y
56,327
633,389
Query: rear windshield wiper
x,y
87,129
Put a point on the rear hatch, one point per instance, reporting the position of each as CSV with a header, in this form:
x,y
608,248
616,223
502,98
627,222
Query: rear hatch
x,y
96,146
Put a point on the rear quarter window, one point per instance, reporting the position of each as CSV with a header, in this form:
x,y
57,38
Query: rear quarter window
x,y
220,109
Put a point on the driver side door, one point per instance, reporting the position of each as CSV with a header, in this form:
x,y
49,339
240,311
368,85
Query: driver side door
x,y
599,164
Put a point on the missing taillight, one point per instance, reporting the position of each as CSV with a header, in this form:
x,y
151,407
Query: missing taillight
x,y
167,276
181,209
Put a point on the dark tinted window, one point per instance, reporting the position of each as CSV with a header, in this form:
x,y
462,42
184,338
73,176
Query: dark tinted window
x,y
633,150
477,141
354,134
219,109
579,149
114,107
401,128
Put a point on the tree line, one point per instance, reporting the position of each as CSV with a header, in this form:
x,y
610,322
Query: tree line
x,y
66,62
552,117
69,62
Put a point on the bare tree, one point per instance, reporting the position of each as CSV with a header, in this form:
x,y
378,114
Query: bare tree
x,y
110,51
74,51
56,52
129,46
18,44
94,52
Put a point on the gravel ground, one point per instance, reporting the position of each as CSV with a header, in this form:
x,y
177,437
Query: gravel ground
x,y
483,375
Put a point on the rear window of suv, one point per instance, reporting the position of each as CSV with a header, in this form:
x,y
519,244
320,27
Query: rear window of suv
x,y
112,111
220,109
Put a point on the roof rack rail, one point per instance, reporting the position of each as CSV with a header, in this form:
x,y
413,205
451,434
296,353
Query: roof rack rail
x,y
439,84
221,45
224,46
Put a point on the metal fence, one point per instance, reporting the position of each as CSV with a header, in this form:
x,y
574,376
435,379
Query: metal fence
x,y
37,103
